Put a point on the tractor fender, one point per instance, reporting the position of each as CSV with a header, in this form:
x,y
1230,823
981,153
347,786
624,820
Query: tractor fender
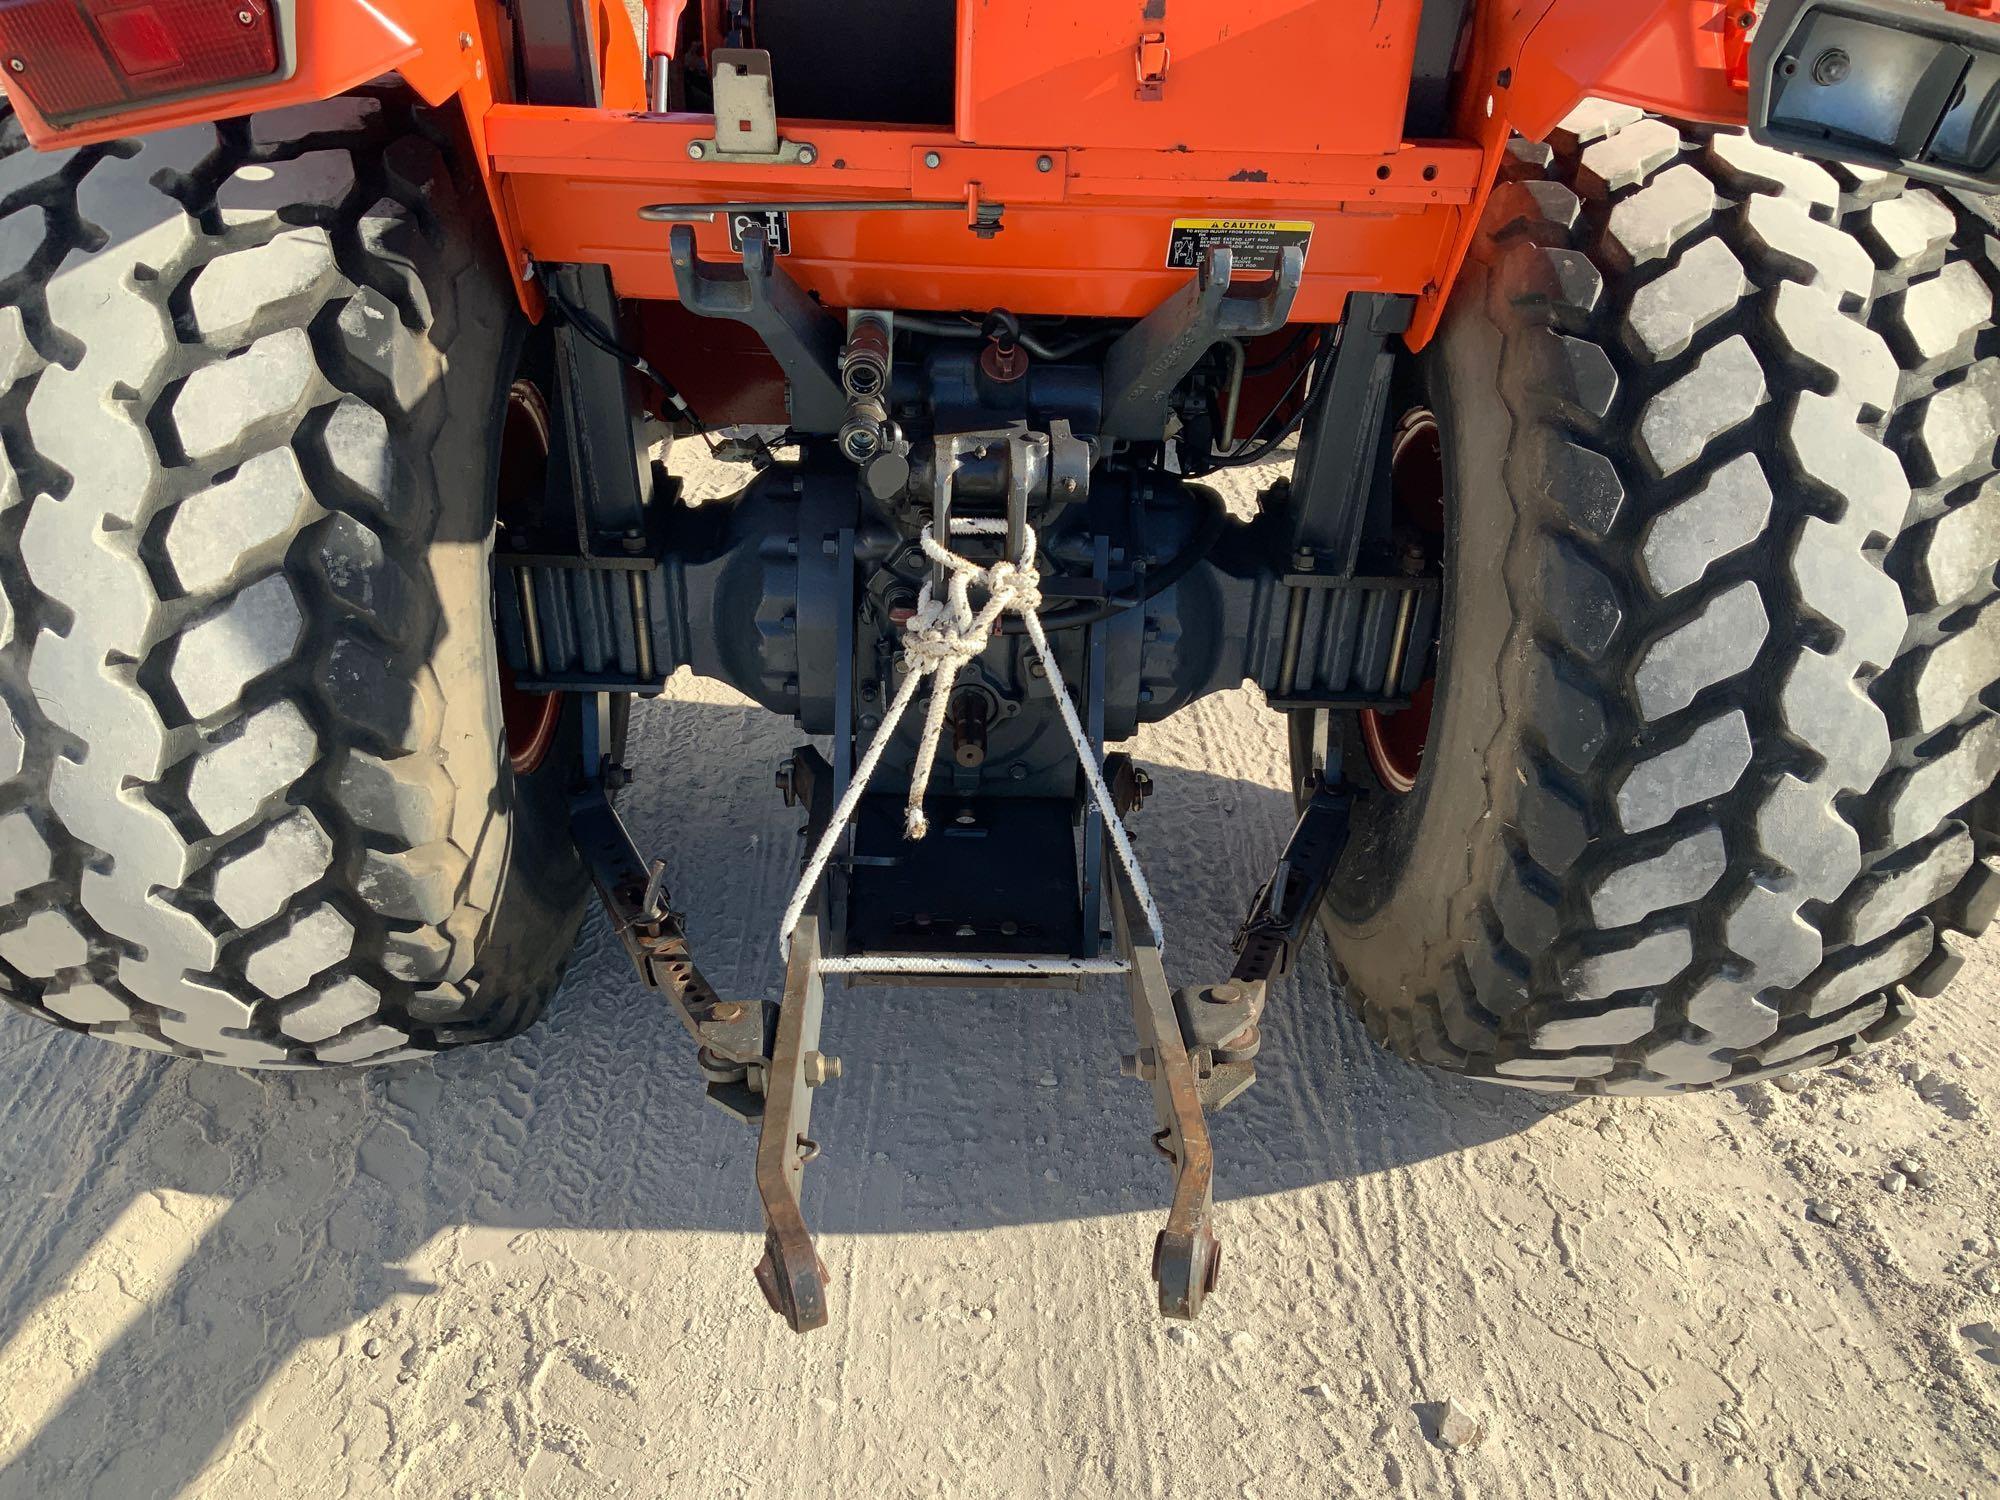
x,y
451,53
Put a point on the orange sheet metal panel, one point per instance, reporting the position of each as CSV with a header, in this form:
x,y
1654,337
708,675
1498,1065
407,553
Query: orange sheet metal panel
x,y
1207,75
1091,236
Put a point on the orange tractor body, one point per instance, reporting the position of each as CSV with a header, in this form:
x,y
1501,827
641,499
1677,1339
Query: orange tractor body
x,y
1096,126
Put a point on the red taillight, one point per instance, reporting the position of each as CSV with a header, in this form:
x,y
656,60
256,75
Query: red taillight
x,y
80,57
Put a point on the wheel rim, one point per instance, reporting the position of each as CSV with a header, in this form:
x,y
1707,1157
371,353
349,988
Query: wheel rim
x,y
530,719
1394,740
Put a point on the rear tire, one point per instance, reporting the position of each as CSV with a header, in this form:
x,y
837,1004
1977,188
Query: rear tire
x,y
1707,790
255,804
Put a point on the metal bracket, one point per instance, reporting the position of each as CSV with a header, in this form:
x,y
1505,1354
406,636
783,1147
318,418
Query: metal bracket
x,y
1282,913
1155,355
1337,469
790,1273
1186,1254
802,336
746,114
654,937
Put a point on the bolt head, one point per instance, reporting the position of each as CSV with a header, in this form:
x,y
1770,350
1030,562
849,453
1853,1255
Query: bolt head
x,y
244,18
933,160
697,150
17,65
1832,66
808,155
1045,164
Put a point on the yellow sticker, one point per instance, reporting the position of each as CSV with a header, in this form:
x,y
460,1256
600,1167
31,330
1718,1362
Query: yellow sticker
x,y
1253,244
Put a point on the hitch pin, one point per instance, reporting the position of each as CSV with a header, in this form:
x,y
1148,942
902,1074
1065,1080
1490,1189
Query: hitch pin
x,y
653,905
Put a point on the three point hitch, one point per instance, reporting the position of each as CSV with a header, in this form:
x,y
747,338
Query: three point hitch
x,y
1196,1048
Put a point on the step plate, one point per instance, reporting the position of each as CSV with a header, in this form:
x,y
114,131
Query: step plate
x,y
996,877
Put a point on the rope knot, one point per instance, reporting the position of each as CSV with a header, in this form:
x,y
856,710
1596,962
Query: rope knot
x,y
941,636
1018,586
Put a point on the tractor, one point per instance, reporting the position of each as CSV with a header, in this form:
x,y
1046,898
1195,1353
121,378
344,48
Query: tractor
x,y
1632,593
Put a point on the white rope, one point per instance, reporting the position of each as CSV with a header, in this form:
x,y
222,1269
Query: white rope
x,y
940,637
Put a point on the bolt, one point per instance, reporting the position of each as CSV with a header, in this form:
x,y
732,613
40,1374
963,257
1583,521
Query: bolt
x,y
933,160
966,817
1045,164
17,65
464,38
819,1068
244,18
727,1011
808,155
1304,561
1069,484
1018,773
1037,671
1832,66
697,150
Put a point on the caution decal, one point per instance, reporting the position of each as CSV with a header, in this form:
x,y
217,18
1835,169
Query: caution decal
x,y
1253,244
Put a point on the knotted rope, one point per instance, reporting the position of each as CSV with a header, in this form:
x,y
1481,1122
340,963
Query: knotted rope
x,y
940,638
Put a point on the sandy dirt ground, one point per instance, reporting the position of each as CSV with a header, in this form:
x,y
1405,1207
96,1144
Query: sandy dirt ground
x,y
526,1270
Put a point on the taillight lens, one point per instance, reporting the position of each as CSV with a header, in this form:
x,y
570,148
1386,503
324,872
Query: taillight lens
x,y
81,57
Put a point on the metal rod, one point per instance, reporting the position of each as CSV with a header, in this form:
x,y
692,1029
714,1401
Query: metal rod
x,y
1399,643
642,634
531,621
1238,362
704,213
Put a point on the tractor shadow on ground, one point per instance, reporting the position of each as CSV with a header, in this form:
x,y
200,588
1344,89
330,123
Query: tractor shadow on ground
x,y
958,1111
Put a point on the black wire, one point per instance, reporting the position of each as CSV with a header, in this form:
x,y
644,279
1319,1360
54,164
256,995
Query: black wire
x,y
1286,355
1318,367
945,328
594,333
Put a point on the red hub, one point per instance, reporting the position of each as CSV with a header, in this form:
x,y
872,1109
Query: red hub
x,y
530,718
1395,740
